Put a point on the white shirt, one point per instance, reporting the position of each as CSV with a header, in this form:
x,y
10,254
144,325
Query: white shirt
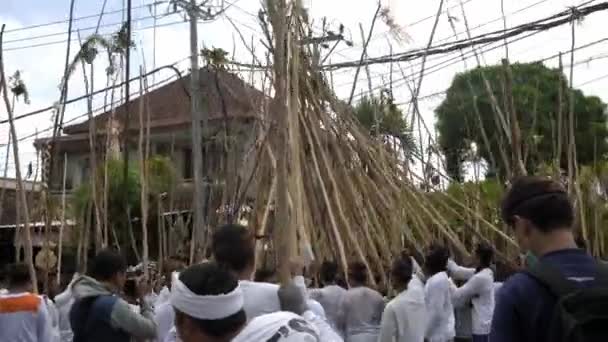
x,y
53,318
480,291
405,317
458,272
279,327
24,318
438,298
163,296
64,302
164,317
330,297
260,298
360,314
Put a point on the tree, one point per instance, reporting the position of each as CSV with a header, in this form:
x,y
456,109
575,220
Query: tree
x,y
381,117
117,190
536,93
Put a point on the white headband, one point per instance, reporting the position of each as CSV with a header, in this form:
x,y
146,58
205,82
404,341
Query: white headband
x,y
205,307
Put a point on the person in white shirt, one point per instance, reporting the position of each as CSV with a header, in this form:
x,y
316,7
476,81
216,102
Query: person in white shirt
x,y
438,297
23,316
405,317
331,295
63,302
209,307
478,291
361,310
233,247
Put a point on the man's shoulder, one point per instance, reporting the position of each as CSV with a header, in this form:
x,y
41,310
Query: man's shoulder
x,y
23,302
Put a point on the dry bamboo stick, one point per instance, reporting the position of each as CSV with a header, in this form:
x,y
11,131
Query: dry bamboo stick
x,y
516,146
364,52
20,187
62,226
143,174
99,241
5,173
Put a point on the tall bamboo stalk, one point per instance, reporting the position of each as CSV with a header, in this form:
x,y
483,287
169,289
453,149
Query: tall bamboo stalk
x,y
100,240
516,146
143,174
278,18
62,226
5,173
20,185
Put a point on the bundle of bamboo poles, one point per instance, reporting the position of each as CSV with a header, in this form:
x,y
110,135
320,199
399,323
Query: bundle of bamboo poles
x,y
335,187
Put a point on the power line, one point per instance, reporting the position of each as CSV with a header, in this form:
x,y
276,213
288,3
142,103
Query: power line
x,y
79,18
458,59
99,91
90,28
97,110
535,26
104,35
478,26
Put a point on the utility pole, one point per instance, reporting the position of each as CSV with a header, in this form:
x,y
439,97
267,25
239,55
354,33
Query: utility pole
x,y
199,121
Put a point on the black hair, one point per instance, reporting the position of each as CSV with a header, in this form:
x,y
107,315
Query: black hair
x,y
106,264
233,247
329,272
503,271
485,254
542,201
264,275
436,260
401,270
209,279
18,274
358,272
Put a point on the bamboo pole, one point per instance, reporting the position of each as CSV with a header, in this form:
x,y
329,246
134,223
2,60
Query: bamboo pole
x,y
20,188
5,173
516,150
143,174
364,52
62,226
100,242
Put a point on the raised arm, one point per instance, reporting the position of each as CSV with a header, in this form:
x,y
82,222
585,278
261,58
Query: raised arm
x,y
458,272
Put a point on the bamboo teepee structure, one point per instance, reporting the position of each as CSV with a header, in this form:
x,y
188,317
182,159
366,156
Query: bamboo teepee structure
x,y
336,188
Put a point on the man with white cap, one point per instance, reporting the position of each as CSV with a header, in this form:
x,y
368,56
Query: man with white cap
x,y
209,307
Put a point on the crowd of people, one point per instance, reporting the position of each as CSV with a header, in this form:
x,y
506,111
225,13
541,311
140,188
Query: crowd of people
x,y
559,294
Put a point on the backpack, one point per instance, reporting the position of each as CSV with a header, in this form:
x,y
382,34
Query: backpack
x,y
580,314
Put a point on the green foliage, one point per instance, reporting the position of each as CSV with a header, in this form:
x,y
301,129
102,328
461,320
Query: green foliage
x,y
215,57
535,92
82,200
18,88
161,175
381,117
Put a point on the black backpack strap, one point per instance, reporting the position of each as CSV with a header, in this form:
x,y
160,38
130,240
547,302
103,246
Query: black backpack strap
x,y
552,278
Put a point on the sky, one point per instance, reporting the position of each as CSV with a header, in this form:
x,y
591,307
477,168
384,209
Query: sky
x,y
35,44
